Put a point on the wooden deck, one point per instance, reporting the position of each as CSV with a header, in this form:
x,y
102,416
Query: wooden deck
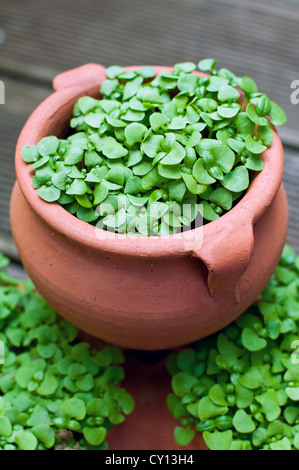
x,y
39,39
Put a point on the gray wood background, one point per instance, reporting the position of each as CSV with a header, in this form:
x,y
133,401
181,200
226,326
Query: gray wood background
x,y
39,39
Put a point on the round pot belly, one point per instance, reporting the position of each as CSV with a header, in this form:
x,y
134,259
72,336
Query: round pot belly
x,y
135,301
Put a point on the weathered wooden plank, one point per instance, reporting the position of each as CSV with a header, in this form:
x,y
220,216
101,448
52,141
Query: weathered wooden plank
x,y
21,99
260,39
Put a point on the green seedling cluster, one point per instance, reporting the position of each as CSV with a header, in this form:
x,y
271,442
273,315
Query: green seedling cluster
x,y
55,392
240,387
155,151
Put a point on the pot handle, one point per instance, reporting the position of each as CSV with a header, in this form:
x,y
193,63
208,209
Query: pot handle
x,y
227,254
85,74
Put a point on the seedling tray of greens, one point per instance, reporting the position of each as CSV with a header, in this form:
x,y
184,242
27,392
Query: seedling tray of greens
x,y
153,152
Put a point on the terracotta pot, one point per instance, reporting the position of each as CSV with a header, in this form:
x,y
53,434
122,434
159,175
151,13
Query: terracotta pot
x,y
147,292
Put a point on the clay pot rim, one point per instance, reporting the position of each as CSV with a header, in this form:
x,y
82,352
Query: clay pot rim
x,y
69,88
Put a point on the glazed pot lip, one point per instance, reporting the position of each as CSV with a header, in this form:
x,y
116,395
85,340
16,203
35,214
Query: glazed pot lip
x,y
53,115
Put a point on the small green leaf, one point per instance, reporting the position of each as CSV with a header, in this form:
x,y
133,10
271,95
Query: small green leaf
x,y
135,156
49,194
170,171
244,125
259,436
243,422
108,87
248,85
23,376
270,406
277,115
217,395
207,64
263,106
227,347
254,117
59,180
134,132
201,174
152,145
114,71
84,201
26,440
187,83
186,360
244,396
228,112
182,382
95,436
218,440
5,427
87,215
208,409
48,146
112,149
252,379
87,104
39,163
254,162
92,158
237,180
252,341
125,401
207,211
224,156
293,393
254,146
228,93
150,95
185,67
265,133
147,71
183,436
131,88
236,145
175,156
74,407
48,386
100,193
158,120
177,190
30,153
44,434
216,83
282,444
222,197
97,407
74,154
